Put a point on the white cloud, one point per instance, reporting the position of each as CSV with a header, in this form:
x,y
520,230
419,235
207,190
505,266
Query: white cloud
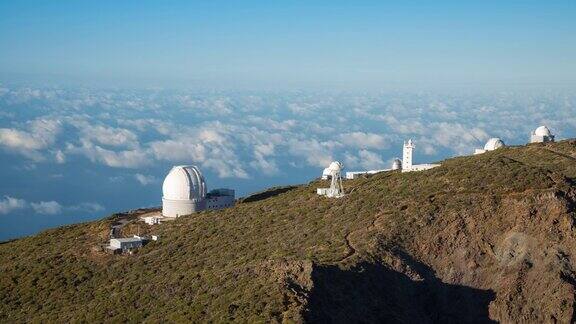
x,y
90,130
264,149
459,138
144,179
42,133
178,151
60,157
117,159
88,207
209,145
428,149
269,123
111,136
366,160
315,153
262,134
160,126
211,136
226,169
46,129
47,207
404,126
9,204
364,140
20,140
265,166
261,163
304,108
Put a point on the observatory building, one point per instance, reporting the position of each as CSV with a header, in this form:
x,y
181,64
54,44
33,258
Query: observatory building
x,y
396,165
184,192
407,165
493,144
541,135
333,172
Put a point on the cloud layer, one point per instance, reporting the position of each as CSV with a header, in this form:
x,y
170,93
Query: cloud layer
x,y
11,204
248,135
127,140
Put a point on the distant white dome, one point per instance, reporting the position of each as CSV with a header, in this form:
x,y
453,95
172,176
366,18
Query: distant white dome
x,y
184,182
542,131
396,164
493,144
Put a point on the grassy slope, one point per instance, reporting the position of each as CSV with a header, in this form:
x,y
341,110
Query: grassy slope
x,y
248,263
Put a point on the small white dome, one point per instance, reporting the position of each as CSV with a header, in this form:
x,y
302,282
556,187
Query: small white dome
x,y
184,182
396,164
335,166
493,143
542,131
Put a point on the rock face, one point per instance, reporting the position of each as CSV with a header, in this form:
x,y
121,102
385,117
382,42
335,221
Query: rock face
x,y
487,238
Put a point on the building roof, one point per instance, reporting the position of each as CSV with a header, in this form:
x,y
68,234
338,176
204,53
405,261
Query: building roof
x,y
493,143
127,239
542,131
184,182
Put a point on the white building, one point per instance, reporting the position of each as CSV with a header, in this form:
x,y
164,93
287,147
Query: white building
x,y
407,154
152,220
406,164
220,199
493,144
184,192
541,135
357,174
396,165
125,244
336,189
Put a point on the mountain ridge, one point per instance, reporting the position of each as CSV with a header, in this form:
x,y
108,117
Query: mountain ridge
x,y
482,238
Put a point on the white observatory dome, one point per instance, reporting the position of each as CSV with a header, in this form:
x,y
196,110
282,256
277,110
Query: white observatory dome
x,y
493,143
396,164
335,166
184,182
542,131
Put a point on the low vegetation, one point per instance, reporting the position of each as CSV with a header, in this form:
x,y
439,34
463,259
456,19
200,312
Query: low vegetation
x,y
481,238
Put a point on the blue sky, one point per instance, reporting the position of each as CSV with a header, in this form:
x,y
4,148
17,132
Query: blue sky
x,y
289,44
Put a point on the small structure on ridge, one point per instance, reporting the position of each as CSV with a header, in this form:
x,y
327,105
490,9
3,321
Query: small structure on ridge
x,y
396,165
541,135
185,192
125,244
493,144
407,165
336,189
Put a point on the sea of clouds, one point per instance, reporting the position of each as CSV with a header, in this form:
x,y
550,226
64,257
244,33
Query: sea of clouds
x,y
70,155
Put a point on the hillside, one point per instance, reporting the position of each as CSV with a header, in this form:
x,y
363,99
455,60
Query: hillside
x,y
479,239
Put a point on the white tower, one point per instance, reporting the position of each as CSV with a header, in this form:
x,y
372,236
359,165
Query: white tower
x,y
336,188
407,156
